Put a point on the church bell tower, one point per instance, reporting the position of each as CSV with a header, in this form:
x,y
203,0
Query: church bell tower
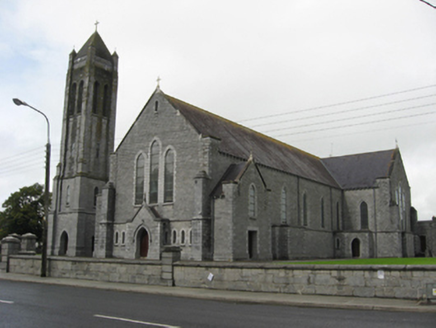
x,y
88,132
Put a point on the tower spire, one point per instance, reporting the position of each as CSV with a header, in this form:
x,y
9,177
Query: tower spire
x,y
88,132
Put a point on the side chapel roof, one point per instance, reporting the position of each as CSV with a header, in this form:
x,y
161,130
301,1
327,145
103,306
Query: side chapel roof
x,y
97,42
360,171
233,174
239,141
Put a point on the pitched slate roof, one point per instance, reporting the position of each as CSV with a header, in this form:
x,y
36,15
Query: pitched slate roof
x,y
95,41
232,173
239,141
361,170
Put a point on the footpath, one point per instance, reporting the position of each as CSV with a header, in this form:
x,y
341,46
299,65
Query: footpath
x,y
317,301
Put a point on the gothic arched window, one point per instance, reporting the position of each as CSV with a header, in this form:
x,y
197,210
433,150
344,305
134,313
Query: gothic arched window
x,y
67,198
322,214
80,98
169,176
252,202
304,209
139,180
72,99
174,238
363,216
95,196
106,101
283,206
154,172
95,97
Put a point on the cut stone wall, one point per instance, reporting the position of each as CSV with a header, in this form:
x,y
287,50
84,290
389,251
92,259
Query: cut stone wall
x,y
25,264
401,282
111,270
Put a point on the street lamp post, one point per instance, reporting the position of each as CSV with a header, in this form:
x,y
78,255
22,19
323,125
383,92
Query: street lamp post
x,y
18,102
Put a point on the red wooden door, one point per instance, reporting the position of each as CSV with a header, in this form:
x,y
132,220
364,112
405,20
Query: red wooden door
x,y
144,244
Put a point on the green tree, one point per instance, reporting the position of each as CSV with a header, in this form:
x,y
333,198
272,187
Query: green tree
x,y
23,212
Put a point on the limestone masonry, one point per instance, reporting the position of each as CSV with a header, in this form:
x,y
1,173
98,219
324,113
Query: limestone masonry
x,y
217,190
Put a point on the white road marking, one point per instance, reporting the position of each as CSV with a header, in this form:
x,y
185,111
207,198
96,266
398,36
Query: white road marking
x,y
135,321
6,302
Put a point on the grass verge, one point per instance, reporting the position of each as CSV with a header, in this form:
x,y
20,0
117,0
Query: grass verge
x,y
377,261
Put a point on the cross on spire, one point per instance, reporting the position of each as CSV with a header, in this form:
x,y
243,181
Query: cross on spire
x,y
158,82
96,24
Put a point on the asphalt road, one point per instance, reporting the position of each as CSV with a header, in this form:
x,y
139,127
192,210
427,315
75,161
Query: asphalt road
x,y
39,305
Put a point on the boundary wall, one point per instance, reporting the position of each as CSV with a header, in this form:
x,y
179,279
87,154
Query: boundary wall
x,y
401,282
111,270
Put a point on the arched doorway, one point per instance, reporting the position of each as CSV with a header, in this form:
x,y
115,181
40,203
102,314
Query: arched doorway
x,y
143,243
63,247
355,247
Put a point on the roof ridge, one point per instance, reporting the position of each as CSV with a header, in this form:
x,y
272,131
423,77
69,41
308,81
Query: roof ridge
x,y
357,154
271,139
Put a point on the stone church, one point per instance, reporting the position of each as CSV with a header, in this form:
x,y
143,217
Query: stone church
x,y
185,177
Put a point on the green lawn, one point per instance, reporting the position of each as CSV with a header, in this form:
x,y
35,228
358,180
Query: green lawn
x,y
378,261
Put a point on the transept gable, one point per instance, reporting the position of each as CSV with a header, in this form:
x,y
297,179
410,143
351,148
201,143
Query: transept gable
x,y
397,171
361,171
251,164
155,105
235,174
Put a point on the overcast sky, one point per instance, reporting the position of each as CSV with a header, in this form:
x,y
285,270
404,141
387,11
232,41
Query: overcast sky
x,y
329,77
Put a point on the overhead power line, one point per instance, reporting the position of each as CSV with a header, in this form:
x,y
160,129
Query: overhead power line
x,y
23,168
364,131
427,3
28,160
356,124
25,161
353,118
38,162
16,156
339,104
343,111
31,152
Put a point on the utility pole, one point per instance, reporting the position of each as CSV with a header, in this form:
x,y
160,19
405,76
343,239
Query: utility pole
x,y
18,102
